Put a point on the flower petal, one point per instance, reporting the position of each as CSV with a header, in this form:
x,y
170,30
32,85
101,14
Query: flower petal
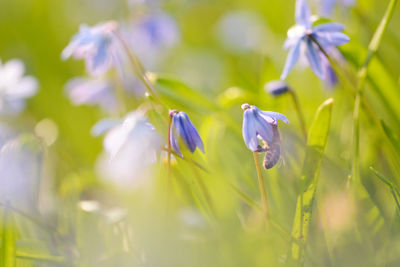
x,y
174,135
332,38
194,134
263,127
328,27
291,60
274,115
249,130
314,59
303,13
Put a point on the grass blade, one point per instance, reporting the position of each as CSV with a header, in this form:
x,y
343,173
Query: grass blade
x,y
317,139
8,245
393,189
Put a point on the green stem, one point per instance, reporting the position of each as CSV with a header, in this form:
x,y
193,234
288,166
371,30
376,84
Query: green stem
x,y
169,182
138,68
300,114
204,191
262,185
362,74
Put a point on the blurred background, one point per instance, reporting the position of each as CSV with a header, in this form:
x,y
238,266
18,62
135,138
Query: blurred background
x,y
69,204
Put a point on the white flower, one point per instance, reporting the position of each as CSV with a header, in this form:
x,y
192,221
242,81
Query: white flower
x,y
15,88
20,171
131,148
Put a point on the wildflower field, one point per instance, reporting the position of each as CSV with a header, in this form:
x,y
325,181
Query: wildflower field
x,y
199,133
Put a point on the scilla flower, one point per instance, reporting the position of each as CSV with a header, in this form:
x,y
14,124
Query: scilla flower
x,y
183,129
259,124
303,35
15,88
96,45
131,146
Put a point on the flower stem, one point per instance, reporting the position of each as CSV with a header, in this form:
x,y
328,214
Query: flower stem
x,y
261,184
299,112
169,182
362,75
138,68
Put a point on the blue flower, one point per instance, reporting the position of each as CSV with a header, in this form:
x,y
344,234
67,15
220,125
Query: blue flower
x,y
300,38
183,129
258,124
151,36
96,45
277,88
327,6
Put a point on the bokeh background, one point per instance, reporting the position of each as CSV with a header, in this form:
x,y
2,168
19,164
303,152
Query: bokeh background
x,y
223,54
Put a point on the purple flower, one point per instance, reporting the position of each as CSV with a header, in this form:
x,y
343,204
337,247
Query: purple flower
x,y
258,124
151,36
183,129
300,38
277,88
96,91
327,6
15,88
97,45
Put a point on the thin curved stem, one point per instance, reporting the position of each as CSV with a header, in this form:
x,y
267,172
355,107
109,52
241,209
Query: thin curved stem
x,y
262,185
138,68
300,114
169,182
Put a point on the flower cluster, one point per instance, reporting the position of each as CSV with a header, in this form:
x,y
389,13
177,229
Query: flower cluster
x,y
106,47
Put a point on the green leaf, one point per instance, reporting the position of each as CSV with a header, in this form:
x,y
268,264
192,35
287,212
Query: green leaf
x,y
180,96
317,139
393,188
393,138
8,241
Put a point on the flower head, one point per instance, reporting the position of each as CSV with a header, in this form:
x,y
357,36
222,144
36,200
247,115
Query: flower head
x,y
15,88
131,146
277,88
258,124
151,36
96,45
183,129
303,35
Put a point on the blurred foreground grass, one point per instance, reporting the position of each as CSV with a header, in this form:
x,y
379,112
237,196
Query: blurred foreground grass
x,y
78,219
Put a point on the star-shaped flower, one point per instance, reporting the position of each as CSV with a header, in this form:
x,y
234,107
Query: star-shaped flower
x,y
302,38
97,45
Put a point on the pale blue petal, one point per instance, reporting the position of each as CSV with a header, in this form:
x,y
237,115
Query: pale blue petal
x,y
249,130
103,126
332,38
329,27
274,115
303,13
314,59
291,60
263,127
